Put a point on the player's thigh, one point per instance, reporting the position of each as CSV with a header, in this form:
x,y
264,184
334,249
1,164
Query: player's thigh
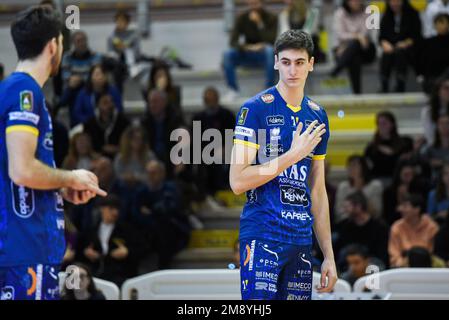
x,y
295,282
260,265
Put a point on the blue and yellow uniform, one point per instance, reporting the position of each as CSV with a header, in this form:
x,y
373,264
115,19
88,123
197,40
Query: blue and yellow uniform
x,y
276,222
32,240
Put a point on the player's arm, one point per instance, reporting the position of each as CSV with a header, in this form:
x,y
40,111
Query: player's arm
x,y
320,211
243,176
24,169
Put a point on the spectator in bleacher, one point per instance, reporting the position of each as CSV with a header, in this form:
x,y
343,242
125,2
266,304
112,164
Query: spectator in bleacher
x,y
400,32
442,242
409,177
433,8
111,248
415,228
354,46
438,106
97,84
71,238
135,152
438,199
258,26
331,191
60,136
159,214
433,53
159,122
359,179
357,259
384,151
360,228
75,67
418,257
214,177
106,127
438,153
302,15
161,79
87,289
81,154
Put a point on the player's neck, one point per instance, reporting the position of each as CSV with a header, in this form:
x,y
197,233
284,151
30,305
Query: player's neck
x,y
292,96
36,69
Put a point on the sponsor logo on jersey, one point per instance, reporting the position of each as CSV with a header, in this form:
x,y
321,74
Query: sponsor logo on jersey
x,y
303,258
242,116
273,149
276,120
246,255
293,196
251,254
24,116
313,105
26,100
244,131
297,297
264,275
275,134
245,285
299,285
267,98
7,293
48,141
22,201
59,202
293,215
252,196
272,252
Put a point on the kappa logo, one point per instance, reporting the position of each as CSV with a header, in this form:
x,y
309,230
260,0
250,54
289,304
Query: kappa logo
x,y
267,98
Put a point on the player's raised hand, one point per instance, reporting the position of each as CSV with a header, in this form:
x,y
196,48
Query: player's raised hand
x,y
303,144
83,180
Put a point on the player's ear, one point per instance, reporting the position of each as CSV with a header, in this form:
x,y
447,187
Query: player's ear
x,y
276,62
53,46
311,62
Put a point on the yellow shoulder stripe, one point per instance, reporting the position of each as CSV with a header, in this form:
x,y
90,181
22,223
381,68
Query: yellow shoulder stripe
x,y
247,143
23,128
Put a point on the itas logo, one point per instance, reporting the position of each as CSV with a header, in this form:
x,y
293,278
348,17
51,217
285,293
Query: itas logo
x,y
7,293
267,98
293,196
23,201
277,120
48,141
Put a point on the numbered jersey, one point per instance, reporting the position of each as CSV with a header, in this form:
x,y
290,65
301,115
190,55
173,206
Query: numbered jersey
x,y
31,221
279,210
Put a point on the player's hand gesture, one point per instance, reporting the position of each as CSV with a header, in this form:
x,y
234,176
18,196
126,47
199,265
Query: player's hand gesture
x,y
77,197
303,144
328,276
83,180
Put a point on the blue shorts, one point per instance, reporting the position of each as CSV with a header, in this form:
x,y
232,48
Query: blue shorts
x,y
35,282
275,271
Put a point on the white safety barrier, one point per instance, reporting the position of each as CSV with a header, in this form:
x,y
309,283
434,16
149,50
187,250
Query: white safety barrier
x,y
109,289
195,284
408,283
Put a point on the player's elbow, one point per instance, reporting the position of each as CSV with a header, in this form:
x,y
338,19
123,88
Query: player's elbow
x,y
20,176
236,186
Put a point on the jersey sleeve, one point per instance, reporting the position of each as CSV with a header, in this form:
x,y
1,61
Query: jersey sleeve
x,y
23,114
247,126
321,148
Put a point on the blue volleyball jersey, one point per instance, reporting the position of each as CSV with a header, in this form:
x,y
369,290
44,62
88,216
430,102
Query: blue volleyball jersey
x,y
279,210
31,221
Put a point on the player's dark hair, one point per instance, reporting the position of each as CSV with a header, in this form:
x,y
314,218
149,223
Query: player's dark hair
x,y
416,201
357,198
356,249
419,257
122,14
33,28
294,39
440,17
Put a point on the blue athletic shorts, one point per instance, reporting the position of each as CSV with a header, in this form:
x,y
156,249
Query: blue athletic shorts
x,y
35,282
275,271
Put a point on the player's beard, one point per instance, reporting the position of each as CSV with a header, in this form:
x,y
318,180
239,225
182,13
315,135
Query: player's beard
x,y
56,62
